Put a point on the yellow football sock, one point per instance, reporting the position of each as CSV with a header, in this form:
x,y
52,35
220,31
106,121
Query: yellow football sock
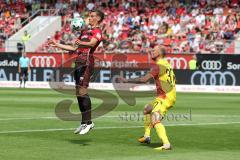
x,y
147,125
161,132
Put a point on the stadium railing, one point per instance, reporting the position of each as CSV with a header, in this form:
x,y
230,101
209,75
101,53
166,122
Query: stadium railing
x,y
40,12
11,42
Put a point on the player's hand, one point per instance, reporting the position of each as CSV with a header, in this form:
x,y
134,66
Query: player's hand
x,y
19,70
29,71
122,80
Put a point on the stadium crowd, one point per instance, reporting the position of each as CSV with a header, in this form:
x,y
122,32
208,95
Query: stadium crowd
x,y
183,26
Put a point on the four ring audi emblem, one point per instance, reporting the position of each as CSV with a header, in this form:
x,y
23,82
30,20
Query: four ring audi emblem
x,y
213,78
211,65
43,61
178,63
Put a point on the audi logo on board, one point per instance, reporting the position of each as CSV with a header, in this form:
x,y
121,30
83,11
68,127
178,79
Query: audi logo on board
x,y
43,61
213,78
178,63
211,65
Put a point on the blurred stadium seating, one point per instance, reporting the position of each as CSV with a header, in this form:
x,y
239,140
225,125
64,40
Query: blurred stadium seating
x,y
131,26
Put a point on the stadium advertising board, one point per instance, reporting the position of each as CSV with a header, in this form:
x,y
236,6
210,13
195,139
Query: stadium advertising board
x,y
54,60
218,62
131,60
45,59
9,59
66,60
187,77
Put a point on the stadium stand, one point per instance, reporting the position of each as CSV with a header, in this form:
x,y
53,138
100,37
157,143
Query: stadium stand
x,y
184,26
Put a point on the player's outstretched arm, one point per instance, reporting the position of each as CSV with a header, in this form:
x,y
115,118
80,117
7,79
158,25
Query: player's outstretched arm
x,y
143,79
62,46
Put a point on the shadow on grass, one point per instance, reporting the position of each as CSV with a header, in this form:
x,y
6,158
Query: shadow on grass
x,y
151,145
83,142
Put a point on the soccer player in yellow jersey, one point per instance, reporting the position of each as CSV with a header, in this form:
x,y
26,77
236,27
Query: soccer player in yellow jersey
x,y
166,96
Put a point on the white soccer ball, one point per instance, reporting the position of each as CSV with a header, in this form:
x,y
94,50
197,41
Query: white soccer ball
x,y
77,23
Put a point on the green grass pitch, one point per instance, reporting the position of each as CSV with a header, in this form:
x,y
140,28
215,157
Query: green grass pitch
x,y
200,127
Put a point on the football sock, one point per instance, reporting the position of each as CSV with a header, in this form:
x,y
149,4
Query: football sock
x,y
147,125
161,132
84,103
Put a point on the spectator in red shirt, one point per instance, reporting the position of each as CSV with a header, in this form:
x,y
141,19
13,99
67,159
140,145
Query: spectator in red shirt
x,y
57,36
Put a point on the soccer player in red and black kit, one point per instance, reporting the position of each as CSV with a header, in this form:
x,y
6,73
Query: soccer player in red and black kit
x,y
84,48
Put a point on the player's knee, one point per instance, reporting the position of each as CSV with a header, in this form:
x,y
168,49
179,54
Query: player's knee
x,y
156,118
147,109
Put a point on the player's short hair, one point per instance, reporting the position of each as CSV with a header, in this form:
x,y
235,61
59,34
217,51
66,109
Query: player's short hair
x,y
163,51
100,14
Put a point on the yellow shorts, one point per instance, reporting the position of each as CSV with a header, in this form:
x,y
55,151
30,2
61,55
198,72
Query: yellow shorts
x,y
162,105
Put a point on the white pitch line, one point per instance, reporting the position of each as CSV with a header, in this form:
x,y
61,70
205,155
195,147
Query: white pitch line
x,y
62,129
26,118
202,124
124,127
37,118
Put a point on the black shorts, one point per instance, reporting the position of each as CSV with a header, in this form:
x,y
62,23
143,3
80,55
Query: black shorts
x,y
24,72
82,75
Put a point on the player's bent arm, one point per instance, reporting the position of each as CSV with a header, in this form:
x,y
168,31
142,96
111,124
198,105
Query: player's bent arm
x,y
66,47
143,79
90,44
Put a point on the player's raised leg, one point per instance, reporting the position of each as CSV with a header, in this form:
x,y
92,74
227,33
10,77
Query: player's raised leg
x,y
82,77
84,103
81,109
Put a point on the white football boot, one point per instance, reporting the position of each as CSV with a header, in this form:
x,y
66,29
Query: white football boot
x,y
86,128
77,130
